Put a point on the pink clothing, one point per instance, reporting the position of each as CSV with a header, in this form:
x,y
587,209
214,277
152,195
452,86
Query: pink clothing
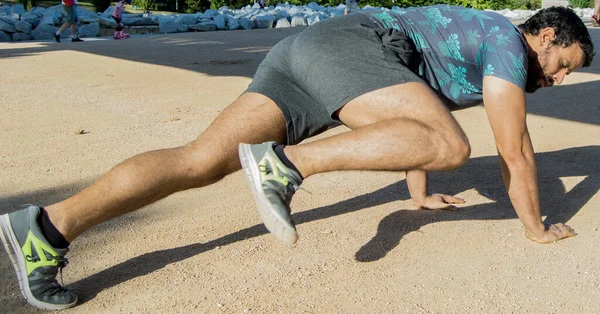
x,y
118,9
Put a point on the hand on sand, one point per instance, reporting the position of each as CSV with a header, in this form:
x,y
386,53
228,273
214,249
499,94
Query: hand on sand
x,y
438,201
554,232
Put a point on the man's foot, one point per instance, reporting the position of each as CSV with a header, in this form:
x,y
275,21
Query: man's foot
x,y
595,21
56,37
273,185
76,39
35,261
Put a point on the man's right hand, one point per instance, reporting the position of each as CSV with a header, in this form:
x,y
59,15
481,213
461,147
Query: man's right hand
x,y
552,233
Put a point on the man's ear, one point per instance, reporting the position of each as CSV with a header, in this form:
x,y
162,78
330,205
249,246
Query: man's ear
x,y
547,35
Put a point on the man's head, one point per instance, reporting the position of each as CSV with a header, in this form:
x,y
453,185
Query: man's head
x,y
558,43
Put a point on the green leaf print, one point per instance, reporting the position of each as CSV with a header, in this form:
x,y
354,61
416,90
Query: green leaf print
x,y
472,36
468,15
435,17
518,71
502,40
387,20
419,41
451,48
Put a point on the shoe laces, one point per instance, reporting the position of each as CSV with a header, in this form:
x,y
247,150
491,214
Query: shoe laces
x,y
61,260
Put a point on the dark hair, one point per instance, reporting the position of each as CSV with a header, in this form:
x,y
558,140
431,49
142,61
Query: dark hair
x,y
568,27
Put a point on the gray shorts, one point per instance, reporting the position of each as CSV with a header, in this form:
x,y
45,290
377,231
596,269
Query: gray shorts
x,y
312,74
71,11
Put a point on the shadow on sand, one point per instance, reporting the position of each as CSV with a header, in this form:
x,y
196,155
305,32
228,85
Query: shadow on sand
x,y
557,203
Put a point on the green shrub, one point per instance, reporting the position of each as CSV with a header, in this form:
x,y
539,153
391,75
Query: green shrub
x,y
28,4
581,3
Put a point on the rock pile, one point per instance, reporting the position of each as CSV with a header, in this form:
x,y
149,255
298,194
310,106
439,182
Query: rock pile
x,y
17,24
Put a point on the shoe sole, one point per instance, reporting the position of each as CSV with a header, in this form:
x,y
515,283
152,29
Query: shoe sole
x,y
16,258
272,220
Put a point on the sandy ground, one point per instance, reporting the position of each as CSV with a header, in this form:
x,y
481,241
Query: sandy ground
x,y
362,247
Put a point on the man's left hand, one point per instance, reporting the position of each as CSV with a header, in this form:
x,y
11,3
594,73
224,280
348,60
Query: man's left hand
x,y
438,201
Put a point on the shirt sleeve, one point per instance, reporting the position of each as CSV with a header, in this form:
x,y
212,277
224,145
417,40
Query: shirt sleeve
x,y
503,54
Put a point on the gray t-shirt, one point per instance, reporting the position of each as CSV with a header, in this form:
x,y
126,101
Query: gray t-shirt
x,y
459,46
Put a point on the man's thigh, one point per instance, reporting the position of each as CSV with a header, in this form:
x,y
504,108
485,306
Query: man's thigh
x,y
411,100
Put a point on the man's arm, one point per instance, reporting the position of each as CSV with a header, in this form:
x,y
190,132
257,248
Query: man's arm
x,y
505,104
417,187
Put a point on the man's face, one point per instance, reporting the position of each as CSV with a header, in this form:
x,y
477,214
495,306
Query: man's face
x,y
550,64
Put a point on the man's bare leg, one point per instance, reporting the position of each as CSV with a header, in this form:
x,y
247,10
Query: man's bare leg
x,y
401,127
150,176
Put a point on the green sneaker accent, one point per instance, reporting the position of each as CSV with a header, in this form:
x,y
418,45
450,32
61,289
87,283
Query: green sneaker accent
x,y
35,261
273,185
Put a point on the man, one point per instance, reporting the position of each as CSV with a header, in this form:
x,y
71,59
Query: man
x,y
411,67
70,7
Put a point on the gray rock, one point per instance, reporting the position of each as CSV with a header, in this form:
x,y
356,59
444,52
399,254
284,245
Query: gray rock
x,y
49,20
107,23
4,37
89,20
181,28
37,11
6,27
209,13
167,26
31,18
231,22
246,23
108,12
298,20
219,21
20,37
204,27
189,19
8,20
84,14
90,30
23,27
18,9
140,21
43,31
315,18
264,21
282,23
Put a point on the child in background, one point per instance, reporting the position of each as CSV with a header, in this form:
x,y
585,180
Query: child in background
x,y
119,7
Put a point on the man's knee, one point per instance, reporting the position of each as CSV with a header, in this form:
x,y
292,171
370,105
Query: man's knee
x,y
455,153
208,164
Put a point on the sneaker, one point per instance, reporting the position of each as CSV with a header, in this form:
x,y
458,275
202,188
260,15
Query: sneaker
x,y
273,185
117,36
595,21
35,261
76,39
56,37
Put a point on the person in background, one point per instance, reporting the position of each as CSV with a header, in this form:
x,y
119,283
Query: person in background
x,y
119,7
350,6
70,7
596,13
